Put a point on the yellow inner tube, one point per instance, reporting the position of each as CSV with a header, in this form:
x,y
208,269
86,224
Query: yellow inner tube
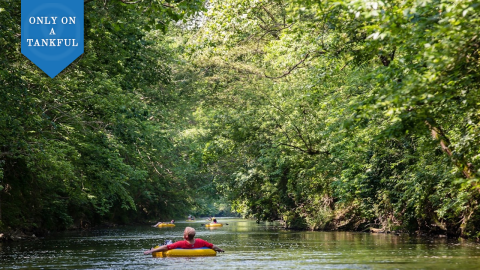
x,y
180,252
214,225
166,225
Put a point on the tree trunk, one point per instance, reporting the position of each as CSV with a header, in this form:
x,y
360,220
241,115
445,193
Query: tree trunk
x,y
438,134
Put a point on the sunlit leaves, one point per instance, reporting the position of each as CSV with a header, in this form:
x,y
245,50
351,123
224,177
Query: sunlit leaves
x,y
362,84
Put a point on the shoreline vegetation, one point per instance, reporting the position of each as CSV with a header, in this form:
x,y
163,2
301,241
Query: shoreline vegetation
x,y
329,115
31,235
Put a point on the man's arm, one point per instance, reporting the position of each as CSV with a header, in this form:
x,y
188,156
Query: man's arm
x,y
162,248
217,249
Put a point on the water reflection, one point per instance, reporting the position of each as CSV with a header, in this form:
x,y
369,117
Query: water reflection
x,y
248,245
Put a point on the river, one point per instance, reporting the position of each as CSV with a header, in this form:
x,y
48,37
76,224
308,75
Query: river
x,y
247,245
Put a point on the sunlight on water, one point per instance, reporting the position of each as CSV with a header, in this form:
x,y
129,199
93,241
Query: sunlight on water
x,y
248,245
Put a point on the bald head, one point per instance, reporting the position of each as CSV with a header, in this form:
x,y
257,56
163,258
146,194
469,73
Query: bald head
x,y
189,233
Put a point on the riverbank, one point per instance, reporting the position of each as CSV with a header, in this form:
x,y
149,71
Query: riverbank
x,y
34,234
22,234
17,235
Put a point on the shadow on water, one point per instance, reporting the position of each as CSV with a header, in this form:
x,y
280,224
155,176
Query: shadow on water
x,y
248,245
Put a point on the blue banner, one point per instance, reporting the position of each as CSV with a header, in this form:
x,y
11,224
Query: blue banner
x,y
52,33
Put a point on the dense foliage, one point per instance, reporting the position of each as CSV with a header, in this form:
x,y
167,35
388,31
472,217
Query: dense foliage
x,y
344,114
99,142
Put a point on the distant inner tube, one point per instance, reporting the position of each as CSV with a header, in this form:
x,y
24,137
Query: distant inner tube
x,y
184,252
166,225
214,225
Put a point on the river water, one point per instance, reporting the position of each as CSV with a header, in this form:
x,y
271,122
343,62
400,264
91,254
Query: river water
x,y
247,245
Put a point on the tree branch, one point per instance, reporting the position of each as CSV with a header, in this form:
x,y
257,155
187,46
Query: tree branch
x,y
130,3
309,146
439,134
3,154
290,69
270,15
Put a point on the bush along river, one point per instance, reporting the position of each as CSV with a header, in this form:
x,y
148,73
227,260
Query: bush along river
x,y
247,245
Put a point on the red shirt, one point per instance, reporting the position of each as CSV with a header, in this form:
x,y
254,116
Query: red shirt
x,y
199,243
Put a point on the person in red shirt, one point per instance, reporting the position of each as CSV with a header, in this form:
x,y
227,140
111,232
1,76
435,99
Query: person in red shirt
x,y
189,243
